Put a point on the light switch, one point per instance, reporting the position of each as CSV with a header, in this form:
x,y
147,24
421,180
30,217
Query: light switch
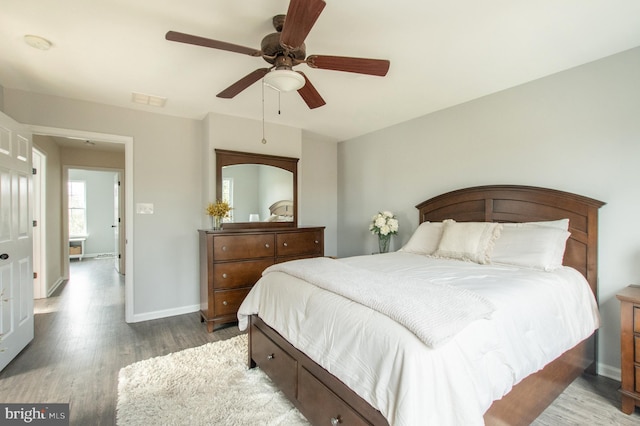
x,y
144,208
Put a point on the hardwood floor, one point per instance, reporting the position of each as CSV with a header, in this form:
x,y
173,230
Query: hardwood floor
x,y
82,341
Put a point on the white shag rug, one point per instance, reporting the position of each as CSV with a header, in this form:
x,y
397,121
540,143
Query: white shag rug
x,y
207,385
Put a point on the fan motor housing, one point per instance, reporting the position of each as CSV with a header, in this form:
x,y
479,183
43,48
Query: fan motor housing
x,y
271,48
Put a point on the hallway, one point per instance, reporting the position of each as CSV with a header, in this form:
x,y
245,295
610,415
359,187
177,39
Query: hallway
x,y
81,342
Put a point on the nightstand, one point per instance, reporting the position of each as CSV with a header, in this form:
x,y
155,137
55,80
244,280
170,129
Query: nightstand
x,y
630,347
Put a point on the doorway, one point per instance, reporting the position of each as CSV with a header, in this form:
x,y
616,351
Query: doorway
x,y
126,176
93,214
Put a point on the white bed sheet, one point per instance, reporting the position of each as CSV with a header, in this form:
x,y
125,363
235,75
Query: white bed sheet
x,y
539,315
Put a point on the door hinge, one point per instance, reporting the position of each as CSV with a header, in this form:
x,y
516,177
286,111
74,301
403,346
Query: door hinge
x,y
34,171
35,223
119,256
118,183
35,275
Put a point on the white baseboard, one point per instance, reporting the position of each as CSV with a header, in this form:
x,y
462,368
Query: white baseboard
x,y
165,313
99,256
55,286
609,371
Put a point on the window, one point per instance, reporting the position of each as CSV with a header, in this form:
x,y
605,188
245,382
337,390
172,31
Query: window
x,y
227,196
77,208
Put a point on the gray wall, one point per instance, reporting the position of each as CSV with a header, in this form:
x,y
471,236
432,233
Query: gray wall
x,y
319,196
173,161
100,210
576,131
53,212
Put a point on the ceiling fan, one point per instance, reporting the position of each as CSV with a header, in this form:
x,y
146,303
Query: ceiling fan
x,y
285,49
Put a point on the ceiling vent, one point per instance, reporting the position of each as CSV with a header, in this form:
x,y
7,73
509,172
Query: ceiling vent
x,y
141,98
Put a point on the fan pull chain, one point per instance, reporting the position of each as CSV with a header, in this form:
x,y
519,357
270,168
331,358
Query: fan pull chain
x,y
264,141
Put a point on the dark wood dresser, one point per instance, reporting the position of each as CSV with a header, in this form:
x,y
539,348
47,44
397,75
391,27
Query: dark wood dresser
x,y
232,261
630,347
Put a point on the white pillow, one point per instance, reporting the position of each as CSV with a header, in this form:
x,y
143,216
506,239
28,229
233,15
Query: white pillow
x,y
538,247
558,224
471,241
425,239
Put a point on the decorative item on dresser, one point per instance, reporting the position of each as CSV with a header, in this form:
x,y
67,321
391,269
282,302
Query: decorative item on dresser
x,y
630,347
231,261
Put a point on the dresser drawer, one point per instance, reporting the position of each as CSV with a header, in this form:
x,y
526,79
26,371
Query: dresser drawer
x,y
636,319
228,301
636,348
275,362
328,408
236,247
300,243
238,274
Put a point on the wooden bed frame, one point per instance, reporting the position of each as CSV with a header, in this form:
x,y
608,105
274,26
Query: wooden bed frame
x,y
525,402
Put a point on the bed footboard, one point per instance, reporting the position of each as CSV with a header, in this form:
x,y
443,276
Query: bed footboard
x,y
324,400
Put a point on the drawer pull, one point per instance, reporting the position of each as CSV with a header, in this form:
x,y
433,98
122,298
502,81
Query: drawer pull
x,y
266,245
270,356
335,421
285,244
224,275
317,242
225,303
224,248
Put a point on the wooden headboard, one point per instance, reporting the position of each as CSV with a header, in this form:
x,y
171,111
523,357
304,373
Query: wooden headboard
x,y
511,203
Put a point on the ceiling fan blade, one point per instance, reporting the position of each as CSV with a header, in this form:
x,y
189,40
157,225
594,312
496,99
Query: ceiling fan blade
x,y
301,17
207,42
243,83
309,94
378,67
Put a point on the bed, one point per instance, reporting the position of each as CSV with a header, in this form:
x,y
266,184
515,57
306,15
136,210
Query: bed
x,y
331,381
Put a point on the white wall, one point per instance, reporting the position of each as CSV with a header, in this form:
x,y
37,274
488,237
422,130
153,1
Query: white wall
x,y
576,131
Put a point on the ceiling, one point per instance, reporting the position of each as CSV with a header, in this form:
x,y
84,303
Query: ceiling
x,y
442,53
91,145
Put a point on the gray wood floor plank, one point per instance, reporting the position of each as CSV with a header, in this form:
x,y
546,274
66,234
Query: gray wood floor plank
x,y
82,341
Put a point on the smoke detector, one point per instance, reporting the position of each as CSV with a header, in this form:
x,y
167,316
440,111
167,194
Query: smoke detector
x,y
37,42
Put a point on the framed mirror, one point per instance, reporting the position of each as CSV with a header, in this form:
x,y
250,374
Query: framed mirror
x,y
261,189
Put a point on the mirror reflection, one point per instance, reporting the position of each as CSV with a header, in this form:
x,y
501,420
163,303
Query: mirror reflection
x,y
261,189
258,193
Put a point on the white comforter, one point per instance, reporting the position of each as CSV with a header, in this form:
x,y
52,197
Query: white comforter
x,y
538,316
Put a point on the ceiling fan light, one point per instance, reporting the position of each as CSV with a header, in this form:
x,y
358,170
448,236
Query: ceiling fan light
x,y
284,80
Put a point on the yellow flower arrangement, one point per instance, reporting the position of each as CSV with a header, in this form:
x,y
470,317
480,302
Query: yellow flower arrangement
x,y
218,209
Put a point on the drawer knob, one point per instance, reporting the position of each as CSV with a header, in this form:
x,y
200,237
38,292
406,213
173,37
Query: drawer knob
x,y
225,303
317,242
224,275
224,248
267,245
270,356
335,421
285,244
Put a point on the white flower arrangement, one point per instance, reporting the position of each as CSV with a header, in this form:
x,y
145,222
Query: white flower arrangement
x,y
384,223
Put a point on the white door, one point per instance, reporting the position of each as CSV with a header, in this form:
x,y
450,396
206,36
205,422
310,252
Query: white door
x,y
38,203
16,247
117,221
